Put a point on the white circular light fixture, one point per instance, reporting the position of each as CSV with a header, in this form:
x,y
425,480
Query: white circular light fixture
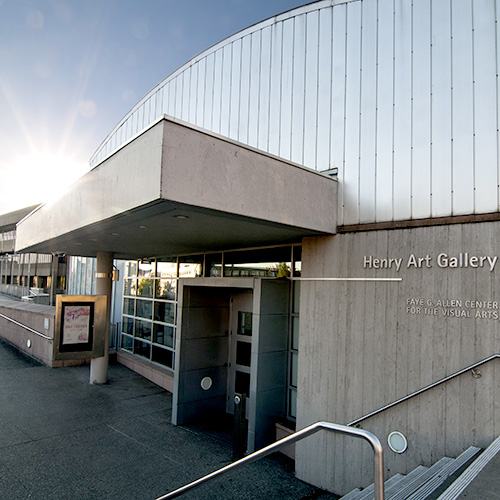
x,y
397,442
206,383
28,343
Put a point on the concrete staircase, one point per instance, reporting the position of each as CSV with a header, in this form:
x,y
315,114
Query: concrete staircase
x,y
434,482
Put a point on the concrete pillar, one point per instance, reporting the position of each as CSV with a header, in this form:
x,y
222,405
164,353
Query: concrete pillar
x,y
54,273
103,286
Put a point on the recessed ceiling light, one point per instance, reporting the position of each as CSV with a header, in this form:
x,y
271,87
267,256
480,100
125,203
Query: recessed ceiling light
x,y
181,216
143,227
115,234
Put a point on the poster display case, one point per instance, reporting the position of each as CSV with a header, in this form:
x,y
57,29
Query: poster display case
x,y
80,326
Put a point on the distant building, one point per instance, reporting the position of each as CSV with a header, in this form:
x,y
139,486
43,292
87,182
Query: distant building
x,y
34,276
309,212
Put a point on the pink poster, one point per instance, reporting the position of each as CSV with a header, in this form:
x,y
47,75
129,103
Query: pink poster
x,y
76,324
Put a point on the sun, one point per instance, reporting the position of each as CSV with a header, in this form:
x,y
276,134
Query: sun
x,y
42,176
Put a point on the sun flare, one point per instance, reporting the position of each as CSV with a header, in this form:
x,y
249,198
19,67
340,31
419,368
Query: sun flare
x,y
41,177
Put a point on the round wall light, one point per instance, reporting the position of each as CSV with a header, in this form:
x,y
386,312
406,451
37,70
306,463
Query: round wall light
x,y
28,343
206,383
397,442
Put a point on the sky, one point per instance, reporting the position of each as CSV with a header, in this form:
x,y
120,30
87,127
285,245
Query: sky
x,y
71,69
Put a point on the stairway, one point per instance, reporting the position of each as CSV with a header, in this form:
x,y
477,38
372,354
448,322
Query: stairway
x,y
424,482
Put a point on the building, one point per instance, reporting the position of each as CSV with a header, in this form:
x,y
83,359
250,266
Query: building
x,y
36,277
333,171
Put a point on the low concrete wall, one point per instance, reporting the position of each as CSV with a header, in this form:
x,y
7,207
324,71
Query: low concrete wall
x,y
161,377
39,318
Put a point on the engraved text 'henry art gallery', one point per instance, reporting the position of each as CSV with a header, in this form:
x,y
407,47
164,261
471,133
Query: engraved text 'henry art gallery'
x,y
442,260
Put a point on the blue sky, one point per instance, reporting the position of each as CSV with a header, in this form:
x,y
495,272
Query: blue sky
x,y
71,69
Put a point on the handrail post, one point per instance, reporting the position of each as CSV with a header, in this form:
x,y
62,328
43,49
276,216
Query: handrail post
x,y
292,438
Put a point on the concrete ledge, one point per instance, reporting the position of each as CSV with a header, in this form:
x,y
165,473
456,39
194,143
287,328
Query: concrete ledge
x,y
176,189
282,432
162,377
36,317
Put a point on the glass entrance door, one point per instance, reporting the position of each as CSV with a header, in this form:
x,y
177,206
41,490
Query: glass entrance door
x,y
240,348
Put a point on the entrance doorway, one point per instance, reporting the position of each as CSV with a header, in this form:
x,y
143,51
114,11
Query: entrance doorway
x,y
240,347
232,339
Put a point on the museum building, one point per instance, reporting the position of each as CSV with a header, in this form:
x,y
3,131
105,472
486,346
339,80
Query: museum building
x,y
309,211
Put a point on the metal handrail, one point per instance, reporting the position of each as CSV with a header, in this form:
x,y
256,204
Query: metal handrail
x,y
297,436
423,389
26,327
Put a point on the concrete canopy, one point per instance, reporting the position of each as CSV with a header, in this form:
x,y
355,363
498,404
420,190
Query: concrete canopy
x,y
175,189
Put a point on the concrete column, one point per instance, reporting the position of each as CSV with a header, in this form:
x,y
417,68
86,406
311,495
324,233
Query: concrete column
x,y
103,286
54,272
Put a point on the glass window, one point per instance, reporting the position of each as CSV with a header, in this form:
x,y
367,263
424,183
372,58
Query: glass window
x,y
213,265
243,353
143,329
166,289
145,287
292,403
128,325
129,306
142,349
146,269
191,267
293,353
165,312
245,323
297,261
267,262
296,297
163,334
162,356
294,369
130,287
166,268
242,383
127,342
131,269
144,309
295,333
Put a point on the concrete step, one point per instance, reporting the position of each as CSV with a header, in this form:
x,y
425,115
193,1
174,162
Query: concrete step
x,y
412,476
419,480
419,483
435,482
367,493
485,470
352,495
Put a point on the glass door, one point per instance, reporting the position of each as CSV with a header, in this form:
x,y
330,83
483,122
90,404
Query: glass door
x,y
240,348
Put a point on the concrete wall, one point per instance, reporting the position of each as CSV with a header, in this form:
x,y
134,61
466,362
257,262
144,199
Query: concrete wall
x,y
364,344
158,375
204,170
125,181
203,353
35,316
269,358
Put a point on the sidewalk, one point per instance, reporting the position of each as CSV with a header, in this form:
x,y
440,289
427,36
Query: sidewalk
x,y
62,438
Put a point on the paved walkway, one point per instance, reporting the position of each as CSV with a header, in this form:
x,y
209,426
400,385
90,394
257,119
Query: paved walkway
x,y
62,438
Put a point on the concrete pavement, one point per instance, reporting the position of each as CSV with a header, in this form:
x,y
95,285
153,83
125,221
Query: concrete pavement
x,y
62,438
